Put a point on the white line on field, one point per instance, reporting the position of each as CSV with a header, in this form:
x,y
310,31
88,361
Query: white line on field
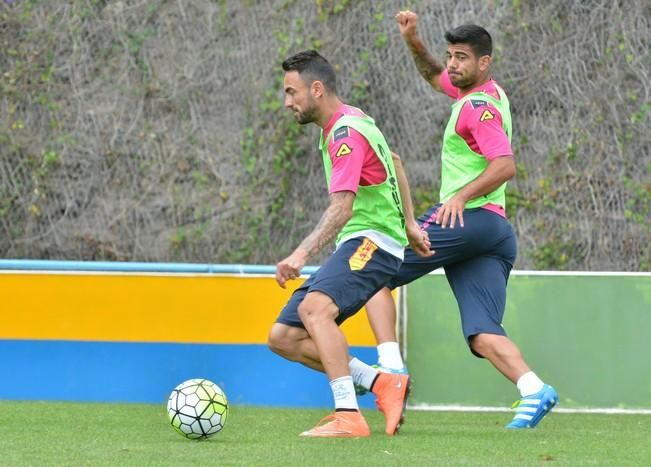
x,y
478,408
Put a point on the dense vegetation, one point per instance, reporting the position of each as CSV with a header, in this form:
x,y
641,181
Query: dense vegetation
x,y
154,130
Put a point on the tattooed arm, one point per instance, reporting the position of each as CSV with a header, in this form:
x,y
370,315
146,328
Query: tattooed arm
x,y
427,65
332,221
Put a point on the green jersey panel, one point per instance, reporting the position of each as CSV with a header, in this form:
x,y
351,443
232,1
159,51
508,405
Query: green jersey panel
x,y
376,207
460,165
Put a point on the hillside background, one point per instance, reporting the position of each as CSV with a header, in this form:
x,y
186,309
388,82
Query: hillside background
x,y
154,130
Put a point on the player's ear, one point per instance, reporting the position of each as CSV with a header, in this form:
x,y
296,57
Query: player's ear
x,y
317,89
484,62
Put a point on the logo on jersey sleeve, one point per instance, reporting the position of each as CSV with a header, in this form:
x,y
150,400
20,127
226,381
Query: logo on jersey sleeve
x,y
343,150
340,133
362,255
486,115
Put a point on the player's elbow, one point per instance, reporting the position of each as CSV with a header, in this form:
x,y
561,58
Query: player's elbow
x,y
344,205
511,171
346,213
435,83
341,207
507,167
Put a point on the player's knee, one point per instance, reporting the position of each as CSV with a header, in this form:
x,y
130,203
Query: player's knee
x,y
480,344
281,342
305,312
491,345
313,312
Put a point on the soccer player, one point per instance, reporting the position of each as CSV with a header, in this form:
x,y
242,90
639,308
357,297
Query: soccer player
x,y
474,242
366,217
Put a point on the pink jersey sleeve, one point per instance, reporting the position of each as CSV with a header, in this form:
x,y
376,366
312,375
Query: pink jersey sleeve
x,y
347,150
480,124
447,86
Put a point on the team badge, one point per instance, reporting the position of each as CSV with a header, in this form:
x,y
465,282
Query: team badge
x,y
362,255
486,115
340,133
343,150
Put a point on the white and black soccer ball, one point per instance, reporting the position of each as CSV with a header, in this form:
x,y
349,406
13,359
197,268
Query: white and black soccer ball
x,y
197,408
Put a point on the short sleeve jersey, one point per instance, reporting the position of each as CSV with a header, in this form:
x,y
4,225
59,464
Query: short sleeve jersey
x,y
354,161
480,124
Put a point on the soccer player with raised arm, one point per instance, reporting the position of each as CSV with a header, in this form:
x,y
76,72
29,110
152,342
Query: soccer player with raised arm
x,y
366,219
468,229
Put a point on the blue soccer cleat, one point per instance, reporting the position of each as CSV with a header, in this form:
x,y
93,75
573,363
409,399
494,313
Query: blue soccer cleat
x,y
361,390
531,409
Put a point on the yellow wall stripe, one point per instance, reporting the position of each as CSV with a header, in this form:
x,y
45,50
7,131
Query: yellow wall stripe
x,y
148,308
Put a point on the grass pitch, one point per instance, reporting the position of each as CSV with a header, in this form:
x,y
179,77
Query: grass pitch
x,y
40,433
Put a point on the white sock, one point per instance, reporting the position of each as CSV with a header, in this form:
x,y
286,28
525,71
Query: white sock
x,y
362,373
389,356
529,384
344,393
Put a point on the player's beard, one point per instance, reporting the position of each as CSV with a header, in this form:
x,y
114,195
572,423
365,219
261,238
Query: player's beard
x,y
308,115
463,81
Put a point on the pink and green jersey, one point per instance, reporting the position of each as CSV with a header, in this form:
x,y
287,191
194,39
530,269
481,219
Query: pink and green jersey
x,y
479,130
357,158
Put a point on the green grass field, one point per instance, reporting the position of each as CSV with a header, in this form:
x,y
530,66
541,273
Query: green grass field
x,y
40,433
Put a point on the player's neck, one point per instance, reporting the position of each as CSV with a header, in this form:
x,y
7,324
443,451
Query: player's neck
x,y
329,106
480,82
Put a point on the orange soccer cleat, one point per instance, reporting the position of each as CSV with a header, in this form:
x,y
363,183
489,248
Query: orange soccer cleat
x,y
392,391
340,425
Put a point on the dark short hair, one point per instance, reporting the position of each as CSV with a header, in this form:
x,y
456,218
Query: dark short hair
x,y
475,36
312,67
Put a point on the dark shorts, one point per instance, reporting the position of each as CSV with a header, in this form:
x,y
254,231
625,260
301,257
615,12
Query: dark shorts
x,y
355,272
477,260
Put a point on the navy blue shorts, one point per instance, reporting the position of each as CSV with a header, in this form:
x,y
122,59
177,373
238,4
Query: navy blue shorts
x,y
355,272
477,259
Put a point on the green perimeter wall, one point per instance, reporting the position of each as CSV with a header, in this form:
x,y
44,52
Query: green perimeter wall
x,y
587,335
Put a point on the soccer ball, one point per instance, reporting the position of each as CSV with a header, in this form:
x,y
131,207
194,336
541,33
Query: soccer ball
x,y
197,408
